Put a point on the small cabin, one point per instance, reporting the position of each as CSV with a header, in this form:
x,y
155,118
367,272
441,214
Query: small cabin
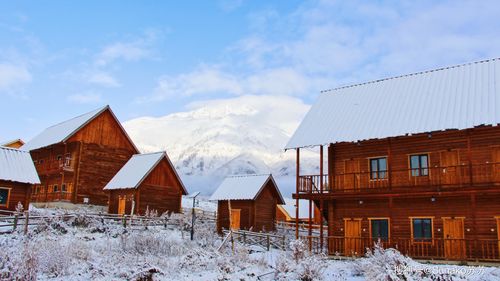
x,y
247,202
287,212
76,158
17,175
17,143
146,182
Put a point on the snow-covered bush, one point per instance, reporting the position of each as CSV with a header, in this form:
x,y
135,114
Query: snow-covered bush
x,y
390,264
311,268
299,264
54,257
153,243
299,249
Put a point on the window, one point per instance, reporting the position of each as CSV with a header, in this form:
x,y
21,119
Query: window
x,y
4,196
422,229
378,168
56,188
40,161
67,159
419,165
63,187
59,157
379,229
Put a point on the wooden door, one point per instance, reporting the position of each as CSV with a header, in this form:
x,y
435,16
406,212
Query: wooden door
x,y
496,165
449,170
121,205
352,237
235,219
351,174
454,243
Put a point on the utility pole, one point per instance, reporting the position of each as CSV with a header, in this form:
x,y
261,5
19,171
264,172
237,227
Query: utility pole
x,y
193,215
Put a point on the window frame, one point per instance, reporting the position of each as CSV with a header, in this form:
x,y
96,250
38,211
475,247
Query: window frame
x,y
420,240
419,169
55,188
386,171
388,227
9,189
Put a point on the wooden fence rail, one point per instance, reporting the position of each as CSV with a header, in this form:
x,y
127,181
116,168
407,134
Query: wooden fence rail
x,y
264,240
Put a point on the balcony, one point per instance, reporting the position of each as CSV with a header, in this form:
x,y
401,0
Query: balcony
x,y
52,196
437,248
56,166
432,178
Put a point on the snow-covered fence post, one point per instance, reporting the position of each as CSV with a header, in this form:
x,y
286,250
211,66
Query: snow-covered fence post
x,y
284,244
268,242
124,221
27,216
165,222
16,218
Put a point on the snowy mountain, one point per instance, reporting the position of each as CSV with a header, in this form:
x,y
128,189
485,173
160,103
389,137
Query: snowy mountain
x,y
213,139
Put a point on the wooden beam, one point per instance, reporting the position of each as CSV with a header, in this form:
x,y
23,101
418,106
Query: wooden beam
x,y
297,192
321,202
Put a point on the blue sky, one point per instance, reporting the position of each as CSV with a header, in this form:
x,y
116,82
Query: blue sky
x,y
151,58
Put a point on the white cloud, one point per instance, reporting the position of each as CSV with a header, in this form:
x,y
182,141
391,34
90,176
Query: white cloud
x,y
326,44
86,97
103,78
13,76
133,50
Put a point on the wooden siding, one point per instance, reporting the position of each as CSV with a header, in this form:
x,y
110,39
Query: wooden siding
x,y
103,130
19,192
98,164
130,196
247,215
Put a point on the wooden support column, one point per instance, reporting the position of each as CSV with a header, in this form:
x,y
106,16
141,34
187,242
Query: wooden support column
x,y
389,163
469,156
331,217
297,194
321,201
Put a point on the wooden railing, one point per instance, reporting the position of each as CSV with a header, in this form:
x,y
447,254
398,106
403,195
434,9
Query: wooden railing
x,y
51,196
56,166
440,177
445,249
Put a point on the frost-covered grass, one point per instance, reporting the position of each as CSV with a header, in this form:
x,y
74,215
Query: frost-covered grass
x,y
85,248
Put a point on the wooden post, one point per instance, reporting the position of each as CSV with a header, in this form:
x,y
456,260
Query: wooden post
x,y
321,201
16,218
230,219
124,221
297,194
268,243
309,231
26,221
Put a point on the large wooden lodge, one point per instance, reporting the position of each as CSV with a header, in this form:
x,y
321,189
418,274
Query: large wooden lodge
x,y
75,159
410,161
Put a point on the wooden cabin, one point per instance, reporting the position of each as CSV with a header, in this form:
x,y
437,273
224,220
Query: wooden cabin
x,y
17,143
146,182
75,159
287,212
17,175
247,202
412,161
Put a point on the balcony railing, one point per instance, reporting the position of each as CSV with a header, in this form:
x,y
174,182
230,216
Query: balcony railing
x,y
51,196
448,249
433,177
56,166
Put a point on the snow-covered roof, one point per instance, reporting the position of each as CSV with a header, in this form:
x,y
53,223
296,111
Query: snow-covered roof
x,y
7,143
64,130
457,97
245,187
289,208
17,165
137,168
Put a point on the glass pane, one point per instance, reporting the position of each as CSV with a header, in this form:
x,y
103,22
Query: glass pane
x,y
373,168
4,195
380,229
417,228
382,164
424,164
427,229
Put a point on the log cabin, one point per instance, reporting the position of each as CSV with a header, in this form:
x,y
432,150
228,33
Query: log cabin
x,y
146,182
412,161
17,175
17,143
247,202
75,159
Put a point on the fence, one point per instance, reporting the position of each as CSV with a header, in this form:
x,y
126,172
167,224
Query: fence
x,y
264,240
12,221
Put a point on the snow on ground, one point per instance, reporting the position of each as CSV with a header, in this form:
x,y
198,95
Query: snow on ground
x,y
85,248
